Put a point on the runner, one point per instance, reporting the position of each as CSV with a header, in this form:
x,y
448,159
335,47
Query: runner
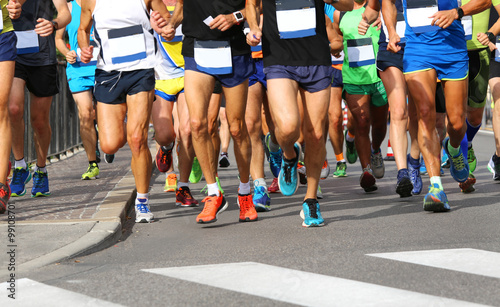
x,y
124,80
81,84
36,68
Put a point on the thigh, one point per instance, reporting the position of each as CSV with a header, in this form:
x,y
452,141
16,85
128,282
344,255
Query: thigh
x,y
84,101
236,101
316,107
198,88
162,113
139,112
282,98
6,78
422,89
455,93
254,103
182,111
110,118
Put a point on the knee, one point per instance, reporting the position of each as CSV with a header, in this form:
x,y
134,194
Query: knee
x,y
198,126
137,141
236,128
86,118
15,112
399,114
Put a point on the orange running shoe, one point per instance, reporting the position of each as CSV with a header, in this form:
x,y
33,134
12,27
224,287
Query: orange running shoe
x,y
274,187
247,208
184,198
213,206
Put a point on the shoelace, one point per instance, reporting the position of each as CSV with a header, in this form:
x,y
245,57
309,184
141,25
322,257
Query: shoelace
x,y
210,204
185,192
378,159
17,177
288,173
414,174
341,166
245,204
3,192
312,211
458,162
275,159
142,208
38,181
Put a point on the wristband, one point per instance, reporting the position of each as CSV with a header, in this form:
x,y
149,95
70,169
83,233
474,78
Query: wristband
x,y
460,13
491,36
54,24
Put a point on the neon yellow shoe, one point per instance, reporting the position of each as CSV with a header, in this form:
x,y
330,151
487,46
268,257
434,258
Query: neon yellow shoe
x,y
170,183
196,172
92,172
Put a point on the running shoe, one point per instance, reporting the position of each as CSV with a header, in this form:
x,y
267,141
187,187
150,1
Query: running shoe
x,y
288,177
4,197
224,160
319,193
468,185
40,184
423,168
184,198
196,172
261,199
301,169
415,178
109,158
341,170
471,159
213,206
325,170
275,158
494,167
247,208
274,187
367,180
20,178
170,183
459,168
351,153
436,200
404,185
92,172
310,214
142,212
164,159
377,163
445,160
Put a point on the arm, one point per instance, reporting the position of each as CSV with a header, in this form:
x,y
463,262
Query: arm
x,y
444,19
390,12
84,30
336,43
225,22
176,19
495,29
160,16
45,27
341,5
61,44
252,10
370,15
14,7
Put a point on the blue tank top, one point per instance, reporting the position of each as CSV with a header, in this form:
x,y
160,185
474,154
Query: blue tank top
x,y
448,44
77,69
382,43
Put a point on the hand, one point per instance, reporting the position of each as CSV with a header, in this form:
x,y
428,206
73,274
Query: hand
x,y
71,57
483,38
492,46
86,55
223,22
254,37
444,19
44,27
393,45
14,8
363,26
377,23
168,32
157,22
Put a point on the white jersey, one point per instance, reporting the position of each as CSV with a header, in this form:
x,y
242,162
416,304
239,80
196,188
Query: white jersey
x,y
124,34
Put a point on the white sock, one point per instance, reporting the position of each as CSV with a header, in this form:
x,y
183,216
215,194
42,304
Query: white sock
x,y
182,185
40,169
20,163
142,195
244,188
259,182
213,189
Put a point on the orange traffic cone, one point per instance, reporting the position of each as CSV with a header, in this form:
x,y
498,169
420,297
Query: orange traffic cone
x,y
390,155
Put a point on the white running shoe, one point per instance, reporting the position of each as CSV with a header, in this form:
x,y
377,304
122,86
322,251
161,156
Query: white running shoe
x,y
142,212
377,163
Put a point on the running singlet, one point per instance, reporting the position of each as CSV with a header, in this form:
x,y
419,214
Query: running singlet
x,y
306,50
428,42
197,16
79,69
172,64
32,49
400,28
5,23
479,25
124,34
336,62
360,50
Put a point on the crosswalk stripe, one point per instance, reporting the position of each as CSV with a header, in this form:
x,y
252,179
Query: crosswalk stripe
x,y
300,288
32,293
467,260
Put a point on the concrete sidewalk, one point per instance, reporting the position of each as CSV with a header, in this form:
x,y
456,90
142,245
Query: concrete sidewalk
x,y
79,217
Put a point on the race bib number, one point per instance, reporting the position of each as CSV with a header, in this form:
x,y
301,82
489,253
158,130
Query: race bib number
x,y
127,44
360,52
213,57
27,42
296,18
418,13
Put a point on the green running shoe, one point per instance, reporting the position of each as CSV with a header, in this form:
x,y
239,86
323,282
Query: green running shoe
x,y
205,188
341,170
91,173
471,158
196,172
351,153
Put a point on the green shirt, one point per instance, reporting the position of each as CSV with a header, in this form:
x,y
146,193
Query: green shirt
x,y
7,23
349,27
479,25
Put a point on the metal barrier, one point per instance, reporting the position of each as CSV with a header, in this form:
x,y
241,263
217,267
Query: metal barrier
x,y
63,121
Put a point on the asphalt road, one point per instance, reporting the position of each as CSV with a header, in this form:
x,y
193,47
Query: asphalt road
x,y
375,249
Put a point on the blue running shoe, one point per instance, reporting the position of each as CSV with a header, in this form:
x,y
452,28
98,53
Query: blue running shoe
x,y
445,160
423,168
404,185
415,177
20,178
275,158
261,199
459,167
40,184
436,200
288,179
310,214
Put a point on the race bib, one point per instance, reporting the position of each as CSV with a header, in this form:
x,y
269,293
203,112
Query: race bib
x,y
336,61
467,24
360,52
1,24
95,54
400,28
296,18
27,42
127,44
418,13
497,52
213,57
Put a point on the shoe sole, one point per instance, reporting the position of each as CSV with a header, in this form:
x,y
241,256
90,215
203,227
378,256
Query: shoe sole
x,y
40,194
296,186
169,189
338,176
18,195
222,209
436,207
468,185
90,178
368,184
302,178
144,220
302,216
224,163
247,219
262,208
404,188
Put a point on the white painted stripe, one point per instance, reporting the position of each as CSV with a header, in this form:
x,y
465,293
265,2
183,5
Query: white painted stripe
x,y
467,260
301,288
32,293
